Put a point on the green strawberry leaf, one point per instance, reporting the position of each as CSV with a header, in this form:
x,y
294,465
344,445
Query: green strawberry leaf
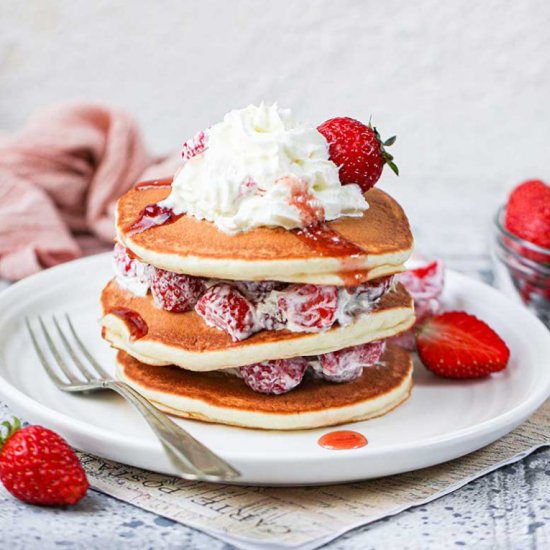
x,y
11,428
394,168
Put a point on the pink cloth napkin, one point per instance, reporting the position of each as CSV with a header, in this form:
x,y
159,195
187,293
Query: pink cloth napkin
x,y
60,177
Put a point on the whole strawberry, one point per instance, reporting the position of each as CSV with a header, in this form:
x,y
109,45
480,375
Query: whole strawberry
x,y
38,466
528,212
358,151
458,345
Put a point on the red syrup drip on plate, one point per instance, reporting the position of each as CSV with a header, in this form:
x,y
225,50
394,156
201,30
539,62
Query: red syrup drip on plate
x,y
151,216
134,321
342,440
164,183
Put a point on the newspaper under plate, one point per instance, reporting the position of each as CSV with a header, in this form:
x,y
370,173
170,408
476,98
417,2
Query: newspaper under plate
x,y
307,517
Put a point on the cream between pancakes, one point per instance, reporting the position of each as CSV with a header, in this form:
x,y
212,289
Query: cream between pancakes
x,y
379,324
251,168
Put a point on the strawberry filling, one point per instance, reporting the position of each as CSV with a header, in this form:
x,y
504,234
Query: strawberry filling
x,y
224,307
282,375
241,308
174,291
425,285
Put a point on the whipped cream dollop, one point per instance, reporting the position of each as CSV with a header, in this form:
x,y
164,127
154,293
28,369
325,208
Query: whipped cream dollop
x,y
259,167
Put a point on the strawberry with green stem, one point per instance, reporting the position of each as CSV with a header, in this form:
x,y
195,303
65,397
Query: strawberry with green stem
x,y
358,151
39,467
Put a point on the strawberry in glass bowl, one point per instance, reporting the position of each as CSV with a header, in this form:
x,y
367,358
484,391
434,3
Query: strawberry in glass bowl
x,y
521,248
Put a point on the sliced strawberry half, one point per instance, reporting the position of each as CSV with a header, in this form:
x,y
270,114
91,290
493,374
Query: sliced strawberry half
x,y
311,308
458,345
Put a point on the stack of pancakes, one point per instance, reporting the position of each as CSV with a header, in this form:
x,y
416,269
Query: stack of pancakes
x,y
187,368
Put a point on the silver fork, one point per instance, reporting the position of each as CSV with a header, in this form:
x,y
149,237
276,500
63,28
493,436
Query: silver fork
x,y
191,458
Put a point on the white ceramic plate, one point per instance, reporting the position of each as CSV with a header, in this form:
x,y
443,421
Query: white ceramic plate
x,y
441,421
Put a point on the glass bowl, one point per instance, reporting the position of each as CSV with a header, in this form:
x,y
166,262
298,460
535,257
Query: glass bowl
x,y
522,269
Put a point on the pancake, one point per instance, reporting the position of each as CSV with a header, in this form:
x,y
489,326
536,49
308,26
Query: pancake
x,y
226,399
197,247
185,340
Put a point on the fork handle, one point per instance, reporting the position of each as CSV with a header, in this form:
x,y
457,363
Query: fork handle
x,y
191,458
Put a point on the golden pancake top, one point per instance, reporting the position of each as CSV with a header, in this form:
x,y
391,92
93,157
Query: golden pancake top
x,y
197,247
227,391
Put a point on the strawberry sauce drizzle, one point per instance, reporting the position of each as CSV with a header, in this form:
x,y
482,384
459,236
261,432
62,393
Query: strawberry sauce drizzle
x,y
326,241
321,238
134,321
342,440
164,183
306,204
352,273
151,216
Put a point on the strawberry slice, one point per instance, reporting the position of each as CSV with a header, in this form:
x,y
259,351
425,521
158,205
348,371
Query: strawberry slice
x,y
224,307
424,282
274,377
310,308
175,291
458,345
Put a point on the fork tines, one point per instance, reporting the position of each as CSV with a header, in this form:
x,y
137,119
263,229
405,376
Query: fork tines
x,y
81,369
